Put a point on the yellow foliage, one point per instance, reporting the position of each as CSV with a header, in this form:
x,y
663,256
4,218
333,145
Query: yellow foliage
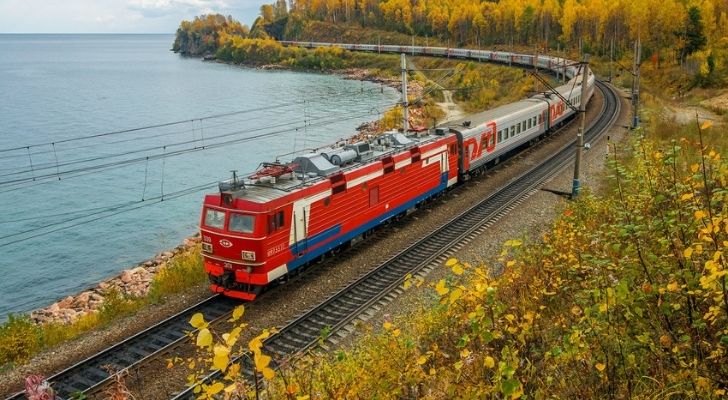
x,y
624,283
441,288
204,338
198,321
237,313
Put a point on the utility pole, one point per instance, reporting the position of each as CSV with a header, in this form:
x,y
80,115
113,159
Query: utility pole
x,y
576,187
413,45
636,84
405,101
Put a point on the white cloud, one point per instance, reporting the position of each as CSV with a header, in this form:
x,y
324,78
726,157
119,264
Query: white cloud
x,y
112,16
159,8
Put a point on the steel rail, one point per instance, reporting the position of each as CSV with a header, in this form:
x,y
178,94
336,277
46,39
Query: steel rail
x,y
91,373
383,284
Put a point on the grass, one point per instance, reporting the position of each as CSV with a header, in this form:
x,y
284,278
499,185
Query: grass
x,y
21,339
184,272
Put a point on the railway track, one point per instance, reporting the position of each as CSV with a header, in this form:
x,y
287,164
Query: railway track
x,y
93,373
358,301
368,294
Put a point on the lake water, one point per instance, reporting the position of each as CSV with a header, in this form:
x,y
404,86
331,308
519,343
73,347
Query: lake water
x,y
70,210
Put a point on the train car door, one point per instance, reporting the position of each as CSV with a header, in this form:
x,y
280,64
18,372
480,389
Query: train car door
x,y
299,228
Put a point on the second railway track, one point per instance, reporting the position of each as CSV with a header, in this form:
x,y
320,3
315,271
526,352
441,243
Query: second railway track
x,y
381,285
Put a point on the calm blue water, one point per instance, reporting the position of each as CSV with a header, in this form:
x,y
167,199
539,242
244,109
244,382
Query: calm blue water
x,y
59,87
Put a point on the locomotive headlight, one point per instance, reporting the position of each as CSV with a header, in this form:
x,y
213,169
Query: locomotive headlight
x,y
248,255
207,247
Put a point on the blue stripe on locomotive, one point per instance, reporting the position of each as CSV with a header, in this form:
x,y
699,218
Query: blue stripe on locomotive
x,y
326,236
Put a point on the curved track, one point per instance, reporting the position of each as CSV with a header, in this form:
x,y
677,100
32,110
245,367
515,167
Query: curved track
x,y
382,285
335,314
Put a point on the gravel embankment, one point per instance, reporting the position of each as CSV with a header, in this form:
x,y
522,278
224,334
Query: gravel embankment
x,y
279,305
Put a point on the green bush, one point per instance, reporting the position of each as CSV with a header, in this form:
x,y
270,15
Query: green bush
x,y
19,340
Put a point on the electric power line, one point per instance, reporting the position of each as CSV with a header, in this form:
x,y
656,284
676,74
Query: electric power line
x,y
58,173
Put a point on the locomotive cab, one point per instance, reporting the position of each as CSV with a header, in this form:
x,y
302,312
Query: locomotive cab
x,y
241,242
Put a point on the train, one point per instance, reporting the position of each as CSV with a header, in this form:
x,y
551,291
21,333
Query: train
x,y
260,229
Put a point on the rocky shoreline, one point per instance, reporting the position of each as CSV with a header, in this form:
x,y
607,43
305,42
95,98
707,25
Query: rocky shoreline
x,y
130,283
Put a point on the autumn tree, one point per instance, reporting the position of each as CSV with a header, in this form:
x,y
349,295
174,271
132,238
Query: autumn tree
x,y
694,37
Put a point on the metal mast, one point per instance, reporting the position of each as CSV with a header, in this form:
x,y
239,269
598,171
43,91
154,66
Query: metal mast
x,y
405,101
576,187
636,84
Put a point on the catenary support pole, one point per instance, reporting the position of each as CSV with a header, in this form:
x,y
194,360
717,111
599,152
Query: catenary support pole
x,y
576,187
636,84
405,101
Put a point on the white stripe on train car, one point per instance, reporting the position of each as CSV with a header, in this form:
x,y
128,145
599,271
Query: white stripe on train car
x,y
302,215
403,163
358,181
277,272
434,151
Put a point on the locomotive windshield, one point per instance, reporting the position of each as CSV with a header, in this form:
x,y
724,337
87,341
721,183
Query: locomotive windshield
x,y
241,223
215,219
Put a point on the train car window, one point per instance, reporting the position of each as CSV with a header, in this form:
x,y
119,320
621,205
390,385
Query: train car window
x,y
540,119
513,131
518,129
241,223
500,136
215,219
277,221
530,121
523,124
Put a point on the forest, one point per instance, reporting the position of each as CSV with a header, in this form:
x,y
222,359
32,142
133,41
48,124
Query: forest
x,y
591,23
691,35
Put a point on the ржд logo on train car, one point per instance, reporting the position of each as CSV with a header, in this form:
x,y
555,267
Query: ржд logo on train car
x,y
226,243
487,141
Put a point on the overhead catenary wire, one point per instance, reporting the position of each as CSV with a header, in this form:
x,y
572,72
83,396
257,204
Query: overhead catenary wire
x,y
105,212
271,107
54,150
39,166
58,173
101,215
97,213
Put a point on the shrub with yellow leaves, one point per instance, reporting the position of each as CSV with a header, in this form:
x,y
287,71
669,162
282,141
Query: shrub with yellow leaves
x,y
624,297
225,354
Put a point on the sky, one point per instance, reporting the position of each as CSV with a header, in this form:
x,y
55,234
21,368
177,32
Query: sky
x,y
115,16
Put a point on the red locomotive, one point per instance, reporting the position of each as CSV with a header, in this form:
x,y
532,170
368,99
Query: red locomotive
x,y
257,230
